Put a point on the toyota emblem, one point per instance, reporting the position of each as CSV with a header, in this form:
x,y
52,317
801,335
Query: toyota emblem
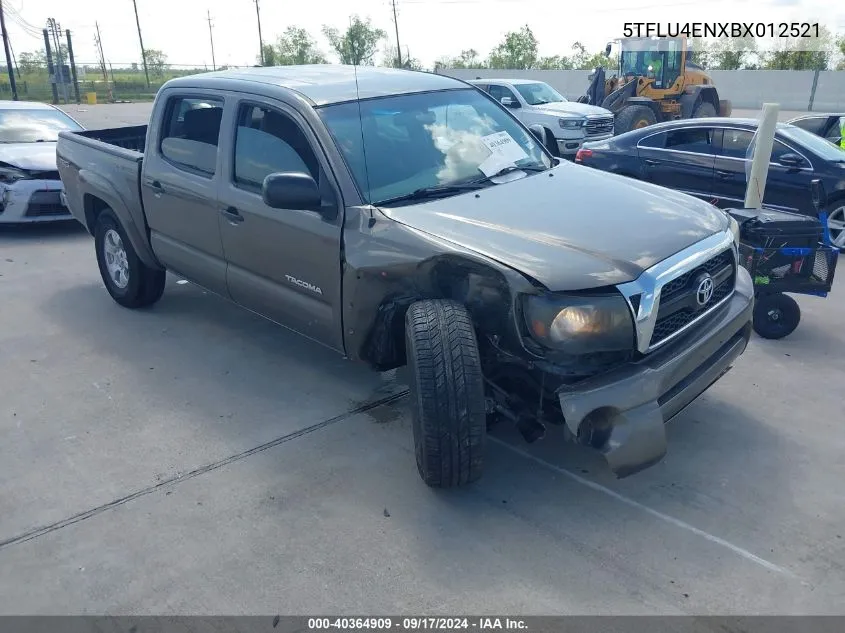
x,y
704,292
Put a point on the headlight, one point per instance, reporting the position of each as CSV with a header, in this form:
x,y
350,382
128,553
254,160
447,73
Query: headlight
x,y
581,324
10,175
570,124
734,229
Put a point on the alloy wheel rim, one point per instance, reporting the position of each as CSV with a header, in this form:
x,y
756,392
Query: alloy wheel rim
x,y
836,226
117,264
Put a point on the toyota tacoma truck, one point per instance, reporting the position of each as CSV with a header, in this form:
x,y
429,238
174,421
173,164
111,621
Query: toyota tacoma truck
x,y
408,220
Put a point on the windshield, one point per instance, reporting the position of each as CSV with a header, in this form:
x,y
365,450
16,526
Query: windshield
x,y
425,140
824,148
33,126
539,93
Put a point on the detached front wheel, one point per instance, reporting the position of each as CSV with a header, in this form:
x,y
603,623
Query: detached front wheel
x,y
128,280
447,393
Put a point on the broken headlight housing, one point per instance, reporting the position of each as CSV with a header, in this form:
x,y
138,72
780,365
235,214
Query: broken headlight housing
x,y
580,324
9,174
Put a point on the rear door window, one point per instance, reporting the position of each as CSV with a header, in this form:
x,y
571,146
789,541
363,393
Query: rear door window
x,y
698,140
190,133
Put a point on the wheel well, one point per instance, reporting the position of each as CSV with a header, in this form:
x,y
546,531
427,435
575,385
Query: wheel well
x,y
93,206
483,290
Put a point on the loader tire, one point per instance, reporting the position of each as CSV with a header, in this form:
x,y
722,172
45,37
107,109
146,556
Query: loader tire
x,y
634,117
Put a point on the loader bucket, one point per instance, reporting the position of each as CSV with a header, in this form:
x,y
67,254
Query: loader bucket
x,y
725,107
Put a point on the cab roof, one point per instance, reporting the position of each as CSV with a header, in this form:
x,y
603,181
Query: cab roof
x,y
324,84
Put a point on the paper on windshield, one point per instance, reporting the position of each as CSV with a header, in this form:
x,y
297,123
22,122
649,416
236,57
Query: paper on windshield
x,y
504,152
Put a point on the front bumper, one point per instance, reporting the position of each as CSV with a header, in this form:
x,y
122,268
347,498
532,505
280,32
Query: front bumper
x,y
570,147
631,404
32,201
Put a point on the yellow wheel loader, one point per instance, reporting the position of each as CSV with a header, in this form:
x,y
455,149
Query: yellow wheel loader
x,y
656,81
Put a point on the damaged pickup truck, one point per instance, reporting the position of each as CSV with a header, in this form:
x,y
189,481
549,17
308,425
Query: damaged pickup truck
x,y
407,219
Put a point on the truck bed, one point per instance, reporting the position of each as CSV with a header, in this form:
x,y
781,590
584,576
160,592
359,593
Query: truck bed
x,y
131,137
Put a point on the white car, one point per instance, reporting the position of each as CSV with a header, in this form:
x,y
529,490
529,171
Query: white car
x,y
536,103
30,188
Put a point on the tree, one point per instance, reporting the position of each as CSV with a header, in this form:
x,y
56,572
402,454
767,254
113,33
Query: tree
x,y
840,44
358,45
518,50
555,62
814,53
467,59
294,47
156,62
391,59
29,63
733,53
269,56
701,52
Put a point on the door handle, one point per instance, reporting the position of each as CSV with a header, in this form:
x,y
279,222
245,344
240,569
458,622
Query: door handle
x,y
232,215
724,174
651,161
155,185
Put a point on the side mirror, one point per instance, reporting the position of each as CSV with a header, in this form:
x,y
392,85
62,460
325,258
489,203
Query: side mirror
x,y
607,51
291,190
539,133
791,160
508,102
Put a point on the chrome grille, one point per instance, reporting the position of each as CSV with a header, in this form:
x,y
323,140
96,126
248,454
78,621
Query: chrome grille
x,y
601,125
662,290
678,304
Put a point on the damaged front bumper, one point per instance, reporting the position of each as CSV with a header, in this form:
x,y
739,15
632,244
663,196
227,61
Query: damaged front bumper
x,y
624,411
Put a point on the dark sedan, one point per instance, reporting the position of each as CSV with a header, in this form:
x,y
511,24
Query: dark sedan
x,y
826,125
707,158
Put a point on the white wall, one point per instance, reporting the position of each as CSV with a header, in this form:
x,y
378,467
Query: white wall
x,y
744,88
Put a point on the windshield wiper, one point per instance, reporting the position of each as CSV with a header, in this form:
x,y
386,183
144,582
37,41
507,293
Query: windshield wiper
x,y
435,191
512,168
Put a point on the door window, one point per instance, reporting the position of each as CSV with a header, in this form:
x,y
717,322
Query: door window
x,y
696,139
813,124
267,142
190,133
655,141
498,92
735,143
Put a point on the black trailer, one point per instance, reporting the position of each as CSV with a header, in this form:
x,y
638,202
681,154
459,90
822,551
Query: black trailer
x,y
785,253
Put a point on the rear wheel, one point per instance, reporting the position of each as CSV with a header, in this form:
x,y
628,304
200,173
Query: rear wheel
x,y
704,109
776,315
634,117
128,280
447,393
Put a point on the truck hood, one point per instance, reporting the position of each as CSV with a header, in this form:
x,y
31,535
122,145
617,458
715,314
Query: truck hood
x,y
572,108
29,156
570,228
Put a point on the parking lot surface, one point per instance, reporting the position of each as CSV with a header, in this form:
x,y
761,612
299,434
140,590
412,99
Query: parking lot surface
x,y
193,458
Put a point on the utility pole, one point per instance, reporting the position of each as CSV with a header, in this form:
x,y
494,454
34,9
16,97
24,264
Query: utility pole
x,y
211,36
260,39
72,66
99,42
141,41
50,68
60,61
396,24
9,66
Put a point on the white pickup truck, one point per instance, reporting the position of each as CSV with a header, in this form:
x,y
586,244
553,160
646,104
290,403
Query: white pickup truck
x,y
537,103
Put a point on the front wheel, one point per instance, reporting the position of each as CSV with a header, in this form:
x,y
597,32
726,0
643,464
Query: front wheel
x,y
128,280
836,224
776,315
447,393
634,117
